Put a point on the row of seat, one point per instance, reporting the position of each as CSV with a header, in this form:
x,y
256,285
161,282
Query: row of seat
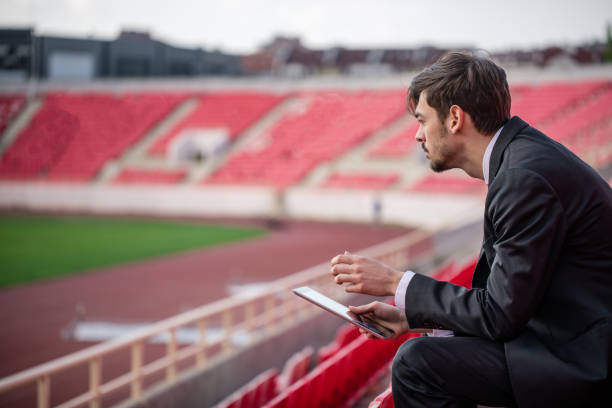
x,y
345,335
232,111
361,181
146,176
577,124
73,136
536,104
447,184
400,144
270,383
331,124
255,394
543,103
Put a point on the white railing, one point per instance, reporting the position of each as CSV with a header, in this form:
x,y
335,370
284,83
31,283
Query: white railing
x,y
254,317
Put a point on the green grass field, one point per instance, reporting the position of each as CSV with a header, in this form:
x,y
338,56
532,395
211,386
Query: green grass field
x,y
41,247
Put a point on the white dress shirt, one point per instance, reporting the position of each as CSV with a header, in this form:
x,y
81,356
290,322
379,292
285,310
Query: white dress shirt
x,y
400,293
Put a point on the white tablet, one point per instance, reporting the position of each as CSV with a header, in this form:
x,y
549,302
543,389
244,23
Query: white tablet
x,y
343,312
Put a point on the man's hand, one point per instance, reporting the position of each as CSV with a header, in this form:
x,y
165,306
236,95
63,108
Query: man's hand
x,y
385,315
365,275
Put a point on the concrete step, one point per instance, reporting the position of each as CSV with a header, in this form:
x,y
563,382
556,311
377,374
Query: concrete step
x,y
19,123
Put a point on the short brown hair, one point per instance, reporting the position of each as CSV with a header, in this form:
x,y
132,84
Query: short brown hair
x,y
474,83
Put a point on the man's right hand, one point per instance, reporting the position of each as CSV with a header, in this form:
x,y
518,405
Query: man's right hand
x,y
365,275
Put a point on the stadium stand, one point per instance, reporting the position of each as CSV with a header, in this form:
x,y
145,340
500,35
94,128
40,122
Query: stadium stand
x,y
576,129
447,184
398,145
541,103
231,111
10,105
335,380
332,124
74,135
142,176
361,181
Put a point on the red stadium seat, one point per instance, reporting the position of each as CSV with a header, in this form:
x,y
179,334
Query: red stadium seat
x,y
346,334
140,176
74,135
232,111
399,144
254,394
329,126
448,184
361,181
296,367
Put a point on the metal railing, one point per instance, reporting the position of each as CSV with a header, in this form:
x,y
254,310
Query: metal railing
x,y
250,318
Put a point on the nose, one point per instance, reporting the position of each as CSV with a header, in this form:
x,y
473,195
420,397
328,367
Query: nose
x,y
419,135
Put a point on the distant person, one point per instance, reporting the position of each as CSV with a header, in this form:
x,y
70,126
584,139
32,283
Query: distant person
x,y
536,329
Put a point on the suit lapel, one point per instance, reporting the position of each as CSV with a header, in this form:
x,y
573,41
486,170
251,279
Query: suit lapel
x,y
511,129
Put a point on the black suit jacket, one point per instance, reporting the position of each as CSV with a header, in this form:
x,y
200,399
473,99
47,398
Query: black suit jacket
x,y
543,282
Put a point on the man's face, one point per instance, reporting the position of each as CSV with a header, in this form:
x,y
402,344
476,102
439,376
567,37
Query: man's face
x,y
435,139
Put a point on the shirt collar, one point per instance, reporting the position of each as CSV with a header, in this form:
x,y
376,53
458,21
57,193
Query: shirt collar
x,y
487,156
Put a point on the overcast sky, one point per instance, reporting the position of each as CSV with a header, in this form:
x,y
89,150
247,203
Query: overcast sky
x,y
242,25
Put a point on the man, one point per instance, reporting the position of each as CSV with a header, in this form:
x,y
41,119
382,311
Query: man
x,y
536,329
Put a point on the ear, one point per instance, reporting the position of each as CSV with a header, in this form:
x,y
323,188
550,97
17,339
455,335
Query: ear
x,y
456,117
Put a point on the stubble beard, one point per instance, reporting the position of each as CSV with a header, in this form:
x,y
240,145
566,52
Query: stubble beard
x,y
441,164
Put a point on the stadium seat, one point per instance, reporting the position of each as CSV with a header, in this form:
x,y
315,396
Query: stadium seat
x,y
361,181
346,334
141,176
337,378
400,144
543,103
256,393
330,125
234,112
73,136
447,184
296,367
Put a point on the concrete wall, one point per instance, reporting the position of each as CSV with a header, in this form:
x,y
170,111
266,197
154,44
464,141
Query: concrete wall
x,y
162,200
392,207
427,211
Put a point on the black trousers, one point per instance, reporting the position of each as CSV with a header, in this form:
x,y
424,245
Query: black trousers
x,y
451,372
